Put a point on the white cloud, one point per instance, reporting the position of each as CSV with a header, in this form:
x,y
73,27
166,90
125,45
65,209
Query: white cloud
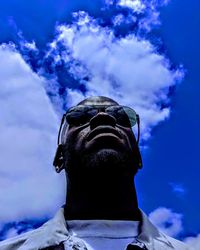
x,y
136,5
193,242
167,221
178,189
29,46
126,69
171,224
148,10
28,185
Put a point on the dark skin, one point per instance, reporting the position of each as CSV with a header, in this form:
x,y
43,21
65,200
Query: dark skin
x,y
101,162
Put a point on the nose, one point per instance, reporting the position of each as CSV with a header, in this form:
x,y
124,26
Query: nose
x,y
102,118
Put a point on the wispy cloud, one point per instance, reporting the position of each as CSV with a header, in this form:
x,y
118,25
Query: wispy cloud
x,y
178,189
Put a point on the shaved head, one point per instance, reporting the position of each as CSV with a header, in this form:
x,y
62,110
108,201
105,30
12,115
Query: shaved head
x,y
98,100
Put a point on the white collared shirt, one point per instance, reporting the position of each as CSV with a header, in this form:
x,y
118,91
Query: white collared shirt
x,y
104,234
55,232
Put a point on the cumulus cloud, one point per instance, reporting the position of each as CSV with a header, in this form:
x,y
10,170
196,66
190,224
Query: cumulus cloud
x,y
28,126
128,69
170,223
167,221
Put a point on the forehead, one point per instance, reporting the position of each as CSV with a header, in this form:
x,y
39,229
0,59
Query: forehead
x,y
98,100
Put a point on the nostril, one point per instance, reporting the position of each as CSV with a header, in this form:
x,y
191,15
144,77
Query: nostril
x,y
102,119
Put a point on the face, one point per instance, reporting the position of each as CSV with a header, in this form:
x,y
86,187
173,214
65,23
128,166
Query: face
x,y
101,143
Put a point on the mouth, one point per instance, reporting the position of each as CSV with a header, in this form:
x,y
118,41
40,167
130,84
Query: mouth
x,y
103,131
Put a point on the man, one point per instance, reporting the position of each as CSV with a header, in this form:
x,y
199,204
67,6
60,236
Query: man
x,y
100,155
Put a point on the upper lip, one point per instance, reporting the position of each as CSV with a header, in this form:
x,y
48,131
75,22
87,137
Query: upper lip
x,y
101,130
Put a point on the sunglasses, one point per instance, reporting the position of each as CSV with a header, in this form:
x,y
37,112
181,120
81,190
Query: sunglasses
x,y
82,114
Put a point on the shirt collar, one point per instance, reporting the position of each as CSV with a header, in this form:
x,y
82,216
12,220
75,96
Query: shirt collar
x,y
149,234
55,231
52,233
103,228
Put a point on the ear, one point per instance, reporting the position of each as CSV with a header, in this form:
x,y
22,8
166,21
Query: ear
x,y
58,161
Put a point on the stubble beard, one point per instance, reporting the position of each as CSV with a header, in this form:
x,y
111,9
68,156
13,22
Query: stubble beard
x,y
106,159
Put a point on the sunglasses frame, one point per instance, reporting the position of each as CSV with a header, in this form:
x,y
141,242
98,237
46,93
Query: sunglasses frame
x,y
65,124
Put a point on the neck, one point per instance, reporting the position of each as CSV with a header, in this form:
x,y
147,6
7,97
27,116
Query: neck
x,y
101,195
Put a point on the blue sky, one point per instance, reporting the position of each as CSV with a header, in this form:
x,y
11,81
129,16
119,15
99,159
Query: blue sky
x,y
52,58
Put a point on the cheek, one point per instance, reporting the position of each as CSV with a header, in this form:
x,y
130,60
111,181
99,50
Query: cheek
x,y
129,137
76,138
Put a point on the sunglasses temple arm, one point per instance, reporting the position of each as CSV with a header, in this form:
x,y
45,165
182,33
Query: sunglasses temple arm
x,y
61,125
138,124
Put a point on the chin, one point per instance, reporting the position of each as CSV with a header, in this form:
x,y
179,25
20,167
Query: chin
x,y
105,159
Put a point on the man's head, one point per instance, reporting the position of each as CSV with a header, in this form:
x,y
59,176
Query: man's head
x,y
99,138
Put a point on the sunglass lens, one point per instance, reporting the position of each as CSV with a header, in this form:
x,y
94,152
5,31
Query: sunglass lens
x,y
124,116
80,115
131,115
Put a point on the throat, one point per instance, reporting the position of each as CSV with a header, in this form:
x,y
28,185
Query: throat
x,y
101,197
